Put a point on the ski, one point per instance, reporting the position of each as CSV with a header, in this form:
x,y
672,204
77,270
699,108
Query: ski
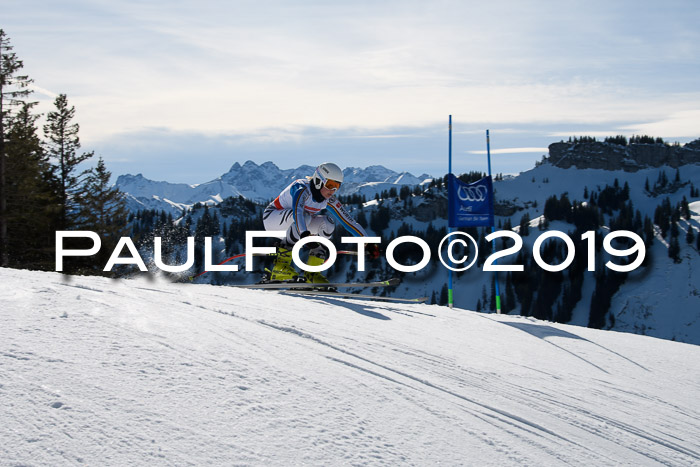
x,y
306,285
271,255
322,293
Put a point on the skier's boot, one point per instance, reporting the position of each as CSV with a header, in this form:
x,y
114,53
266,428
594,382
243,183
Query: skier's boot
x,y
283,270
316,278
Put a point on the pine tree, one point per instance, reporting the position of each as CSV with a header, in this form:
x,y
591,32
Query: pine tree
x,y
361,218
101,208
32,203
205,226
63,144
509,303
600,300
13,89
443,295
685,209
675,231
674,250
648,231
525,225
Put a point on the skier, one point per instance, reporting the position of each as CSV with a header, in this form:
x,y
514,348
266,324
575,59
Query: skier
x,y
299,210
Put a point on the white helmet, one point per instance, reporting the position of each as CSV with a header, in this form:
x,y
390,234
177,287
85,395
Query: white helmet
x,y
326,171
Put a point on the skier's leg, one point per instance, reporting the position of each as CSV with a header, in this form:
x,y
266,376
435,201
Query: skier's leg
x,y
322,226
281,219
277,219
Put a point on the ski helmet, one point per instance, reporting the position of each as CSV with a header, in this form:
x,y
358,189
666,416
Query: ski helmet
x,y
327,171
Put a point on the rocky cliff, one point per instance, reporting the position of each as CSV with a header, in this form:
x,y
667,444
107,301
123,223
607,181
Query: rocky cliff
x,y
630,158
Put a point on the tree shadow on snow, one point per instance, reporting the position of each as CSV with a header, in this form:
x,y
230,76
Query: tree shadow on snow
x,y
544,332
356,307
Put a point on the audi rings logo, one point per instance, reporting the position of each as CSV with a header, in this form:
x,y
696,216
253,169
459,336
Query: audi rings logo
x,y
472,193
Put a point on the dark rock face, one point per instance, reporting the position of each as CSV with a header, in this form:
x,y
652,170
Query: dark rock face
x,y
609,156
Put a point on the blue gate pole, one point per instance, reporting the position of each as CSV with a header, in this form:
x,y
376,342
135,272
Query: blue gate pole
x,y
450,296
493,227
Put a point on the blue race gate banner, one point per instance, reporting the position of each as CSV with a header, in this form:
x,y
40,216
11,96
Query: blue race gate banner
x,y
470,204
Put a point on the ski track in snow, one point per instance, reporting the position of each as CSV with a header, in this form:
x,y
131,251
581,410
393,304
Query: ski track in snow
x,y
102,372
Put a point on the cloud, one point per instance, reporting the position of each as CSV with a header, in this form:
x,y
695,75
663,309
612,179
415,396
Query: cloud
x,y
684,124
43,92
362,77
511,151
394,136
363,65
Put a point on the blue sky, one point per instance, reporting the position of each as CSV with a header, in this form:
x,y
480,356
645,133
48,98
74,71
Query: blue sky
x,y
179,91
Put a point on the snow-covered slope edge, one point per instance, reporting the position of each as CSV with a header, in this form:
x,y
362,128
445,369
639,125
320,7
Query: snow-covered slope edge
x,y
136,372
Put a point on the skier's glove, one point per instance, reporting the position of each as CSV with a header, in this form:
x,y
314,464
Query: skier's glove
x,y
372,251
310,245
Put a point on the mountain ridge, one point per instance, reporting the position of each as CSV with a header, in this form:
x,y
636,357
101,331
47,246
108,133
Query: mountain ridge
x,y
630,157
258,183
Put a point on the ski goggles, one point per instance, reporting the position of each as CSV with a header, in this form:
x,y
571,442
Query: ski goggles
x,y
332,185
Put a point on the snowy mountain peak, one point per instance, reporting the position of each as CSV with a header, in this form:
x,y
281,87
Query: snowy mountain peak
x,y
250,164
259,183
405,178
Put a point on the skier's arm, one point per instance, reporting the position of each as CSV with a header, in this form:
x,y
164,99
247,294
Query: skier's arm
x,y
337,211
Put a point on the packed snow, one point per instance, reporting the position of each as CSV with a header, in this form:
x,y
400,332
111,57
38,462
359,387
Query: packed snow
x,y
146,372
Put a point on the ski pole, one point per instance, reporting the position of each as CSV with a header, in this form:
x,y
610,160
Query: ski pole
x,y
224,261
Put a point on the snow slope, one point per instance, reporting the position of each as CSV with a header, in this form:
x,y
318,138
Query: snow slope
x,y
144,372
